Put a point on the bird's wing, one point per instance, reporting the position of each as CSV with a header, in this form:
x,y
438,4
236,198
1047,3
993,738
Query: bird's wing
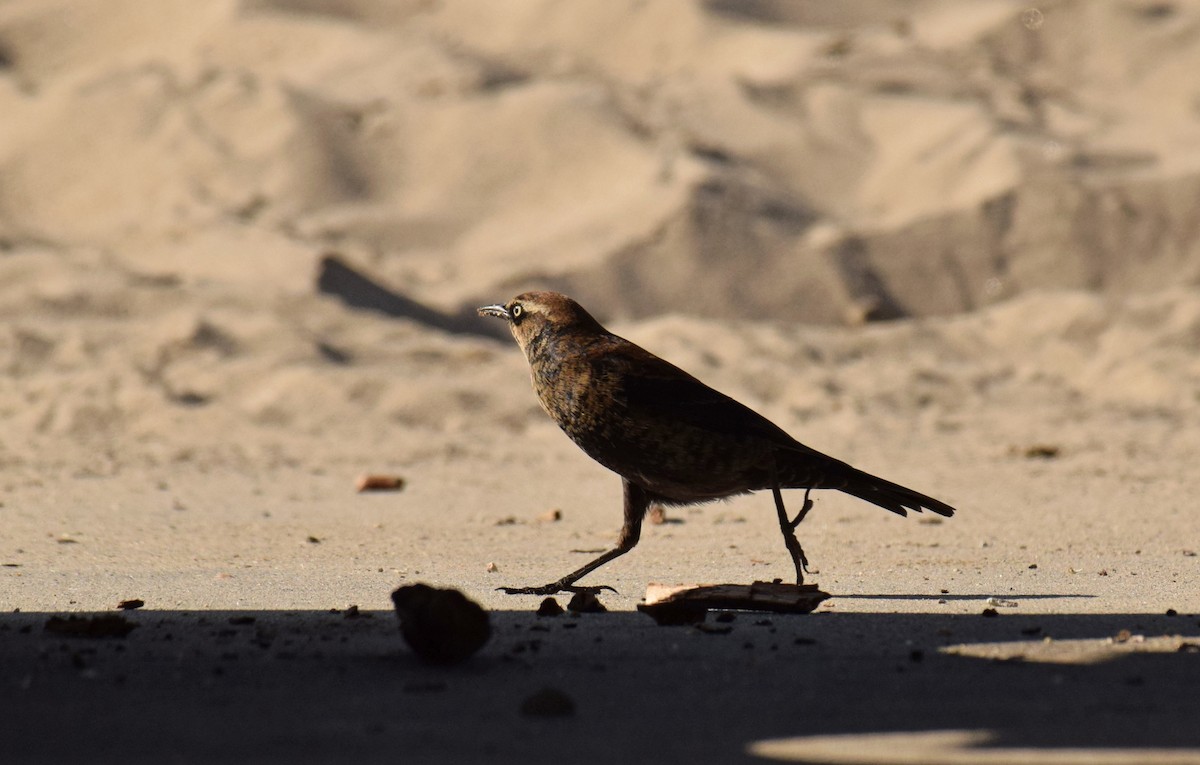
x,y
658,387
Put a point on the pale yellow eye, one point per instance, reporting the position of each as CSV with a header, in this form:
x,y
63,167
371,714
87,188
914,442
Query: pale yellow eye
x,y
516,311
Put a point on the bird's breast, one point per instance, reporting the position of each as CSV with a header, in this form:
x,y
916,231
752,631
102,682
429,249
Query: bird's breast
x,y
570,395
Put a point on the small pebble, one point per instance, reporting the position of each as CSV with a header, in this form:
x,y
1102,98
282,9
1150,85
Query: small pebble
x,y
549,607
585,603
442,626
1041,452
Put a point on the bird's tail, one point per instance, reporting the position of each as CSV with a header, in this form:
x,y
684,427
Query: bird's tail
x,y
898,499
878,491
891,496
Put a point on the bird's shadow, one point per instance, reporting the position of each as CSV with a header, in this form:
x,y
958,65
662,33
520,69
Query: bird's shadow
x,y
314,685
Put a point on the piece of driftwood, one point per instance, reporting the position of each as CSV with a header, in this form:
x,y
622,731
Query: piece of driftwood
x,y
688,603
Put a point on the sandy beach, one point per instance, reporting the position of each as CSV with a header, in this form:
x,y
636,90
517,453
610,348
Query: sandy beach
x,y
241,243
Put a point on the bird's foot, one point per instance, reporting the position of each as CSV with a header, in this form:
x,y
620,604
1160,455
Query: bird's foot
x,y
548,589
595,589
803,568
556,587
800,561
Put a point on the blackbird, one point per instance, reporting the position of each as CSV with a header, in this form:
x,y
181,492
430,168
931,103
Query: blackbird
x,y
671,438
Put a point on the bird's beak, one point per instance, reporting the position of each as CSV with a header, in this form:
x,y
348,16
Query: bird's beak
x,y
494,310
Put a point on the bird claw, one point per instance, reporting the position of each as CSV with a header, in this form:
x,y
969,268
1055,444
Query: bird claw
x,y
556,587
590,589
549,589
800,561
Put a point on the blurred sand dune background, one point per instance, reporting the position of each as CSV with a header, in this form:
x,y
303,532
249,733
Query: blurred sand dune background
x,y
173,173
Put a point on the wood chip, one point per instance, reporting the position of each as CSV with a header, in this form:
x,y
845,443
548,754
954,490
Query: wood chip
x,y
130,605
688,604
377,482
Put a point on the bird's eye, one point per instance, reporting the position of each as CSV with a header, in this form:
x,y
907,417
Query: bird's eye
x,y
516,312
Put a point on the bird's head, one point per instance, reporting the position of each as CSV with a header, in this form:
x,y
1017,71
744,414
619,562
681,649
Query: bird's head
x,y
540,316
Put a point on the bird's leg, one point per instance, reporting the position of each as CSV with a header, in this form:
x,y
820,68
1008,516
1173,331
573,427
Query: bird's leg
x,y
636,504
789,534
808,505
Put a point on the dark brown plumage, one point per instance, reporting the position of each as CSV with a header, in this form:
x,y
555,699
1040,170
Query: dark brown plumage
x,y
671,438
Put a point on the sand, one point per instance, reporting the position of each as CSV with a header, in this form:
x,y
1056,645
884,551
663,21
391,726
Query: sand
x,y
954,244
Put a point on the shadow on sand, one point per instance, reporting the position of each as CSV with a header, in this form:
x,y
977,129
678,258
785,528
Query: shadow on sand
x,y
308,686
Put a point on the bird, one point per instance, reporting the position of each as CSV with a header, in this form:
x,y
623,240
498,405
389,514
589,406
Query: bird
x,y
673,440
